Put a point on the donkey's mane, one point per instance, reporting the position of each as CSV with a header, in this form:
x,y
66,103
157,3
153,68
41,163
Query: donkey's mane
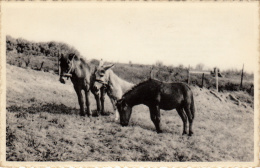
x,y
79,57
137,85
84,61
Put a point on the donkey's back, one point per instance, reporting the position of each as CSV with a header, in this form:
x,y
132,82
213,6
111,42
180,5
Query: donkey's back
x,y
174,95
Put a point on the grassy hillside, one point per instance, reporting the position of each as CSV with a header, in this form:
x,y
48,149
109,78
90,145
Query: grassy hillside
x,y
43,125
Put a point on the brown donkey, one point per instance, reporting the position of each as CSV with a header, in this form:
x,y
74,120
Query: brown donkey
x,y
82,77
159,95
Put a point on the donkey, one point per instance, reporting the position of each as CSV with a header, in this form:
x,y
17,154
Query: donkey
x,y
82,76
115,86
159,95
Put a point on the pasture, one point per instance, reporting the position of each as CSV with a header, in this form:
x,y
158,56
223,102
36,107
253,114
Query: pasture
x,y
43,124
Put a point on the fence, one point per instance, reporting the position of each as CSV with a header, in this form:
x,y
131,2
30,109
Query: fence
x,y
215,73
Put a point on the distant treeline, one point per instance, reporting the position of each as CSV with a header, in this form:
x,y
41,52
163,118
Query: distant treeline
x,y
48,49
39,56
44,56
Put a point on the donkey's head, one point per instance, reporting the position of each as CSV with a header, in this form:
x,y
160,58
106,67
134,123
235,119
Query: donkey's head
x,y
66,65
125,111
102,75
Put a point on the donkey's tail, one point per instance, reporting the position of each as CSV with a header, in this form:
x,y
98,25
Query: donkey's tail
x,y
192,107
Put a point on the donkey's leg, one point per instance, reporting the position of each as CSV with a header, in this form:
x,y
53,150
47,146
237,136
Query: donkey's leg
x,y
156,117
96,95
113,101
87,102
80,100
190,118
102,98
184,119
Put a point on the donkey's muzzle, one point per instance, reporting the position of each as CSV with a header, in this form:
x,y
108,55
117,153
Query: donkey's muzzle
x,y
95,88
66,75
124,124
62,80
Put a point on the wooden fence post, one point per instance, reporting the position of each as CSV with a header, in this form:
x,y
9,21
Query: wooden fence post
x,y
59,71
59,66
242,75
216,76
202,80
41,66
189,75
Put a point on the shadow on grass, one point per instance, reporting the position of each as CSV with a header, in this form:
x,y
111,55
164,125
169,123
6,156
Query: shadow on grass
x,y
49,107
95,113
143,125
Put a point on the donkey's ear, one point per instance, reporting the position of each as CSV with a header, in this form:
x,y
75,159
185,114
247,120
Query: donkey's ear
x,y
151,73
60,56
101,63
95,69
106,67
120,101
71,56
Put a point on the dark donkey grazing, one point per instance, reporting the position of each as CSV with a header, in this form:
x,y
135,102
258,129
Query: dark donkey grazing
x,y
82,77
159,95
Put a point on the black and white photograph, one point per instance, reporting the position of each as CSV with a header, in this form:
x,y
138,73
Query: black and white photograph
x,y
129,83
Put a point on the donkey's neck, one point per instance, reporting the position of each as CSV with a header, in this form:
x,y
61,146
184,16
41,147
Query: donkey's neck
x,y
81,69
117,81
140,94
134,97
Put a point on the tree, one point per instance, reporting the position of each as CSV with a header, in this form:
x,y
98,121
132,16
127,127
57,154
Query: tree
x,y
199,66
158,63
180,66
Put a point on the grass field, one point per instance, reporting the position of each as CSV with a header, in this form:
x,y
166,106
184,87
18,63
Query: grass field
x,y
43,125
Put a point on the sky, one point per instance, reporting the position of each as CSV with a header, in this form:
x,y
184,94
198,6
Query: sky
x,y
214,34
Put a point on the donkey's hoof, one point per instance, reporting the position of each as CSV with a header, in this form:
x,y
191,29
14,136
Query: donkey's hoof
x,y
160,131
184,133
62,81
95,115
82,114
191,133
105,114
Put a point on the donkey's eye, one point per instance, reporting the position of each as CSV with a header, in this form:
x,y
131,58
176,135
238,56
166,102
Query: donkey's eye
x,y
102,71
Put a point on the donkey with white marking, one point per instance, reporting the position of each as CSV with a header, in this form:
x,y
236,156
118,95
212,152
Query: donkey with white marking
x,y
115,86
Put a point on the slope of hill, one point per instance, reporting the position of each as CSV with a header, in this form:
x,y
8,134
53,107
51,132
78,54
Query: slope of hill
x,y
43,125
